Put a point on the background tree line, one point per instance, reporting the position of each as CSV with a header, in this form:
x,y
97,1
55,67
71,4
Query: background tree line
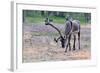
x,y
34,16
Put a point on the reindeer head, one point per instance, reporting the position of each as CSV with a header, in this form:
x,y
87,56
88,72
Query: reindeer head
x,y
62,39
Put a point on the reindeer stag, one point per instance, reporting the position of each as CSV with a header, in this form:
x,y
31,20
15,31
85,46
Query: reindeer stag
x,y
72,28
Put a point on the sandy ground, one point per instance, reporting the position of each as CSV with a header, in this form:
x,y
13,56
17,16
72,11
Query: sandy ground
x,y
38,44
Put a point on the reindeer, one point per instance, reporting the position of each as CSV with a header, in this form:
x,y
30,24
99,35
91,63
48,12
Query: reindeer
x,y
72,27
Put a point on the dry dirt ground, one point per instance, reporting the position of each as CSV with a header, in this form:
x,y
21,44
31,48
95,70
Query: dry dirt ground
x,y
39,44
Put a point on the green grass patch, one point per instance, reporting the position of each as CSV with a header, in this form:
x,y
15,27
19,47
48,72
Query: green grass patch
x,y
35,19
58,20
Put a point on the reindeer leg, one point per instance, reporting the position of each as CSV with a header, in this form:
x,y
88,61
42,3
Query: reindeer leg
x,y
74,42
66,48
69,42
67,45
79,39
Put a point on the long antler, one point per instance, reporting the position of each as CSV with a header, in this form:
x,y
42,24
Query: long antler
x,y
56,29
49,22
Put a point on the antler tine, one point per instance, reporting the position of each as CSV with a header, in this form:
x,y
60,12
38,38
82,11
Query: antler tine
x,y
56,39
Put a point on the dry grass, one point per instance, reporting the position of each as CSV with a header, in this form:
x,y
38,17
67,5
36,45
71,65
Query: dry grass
x,y
43,48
